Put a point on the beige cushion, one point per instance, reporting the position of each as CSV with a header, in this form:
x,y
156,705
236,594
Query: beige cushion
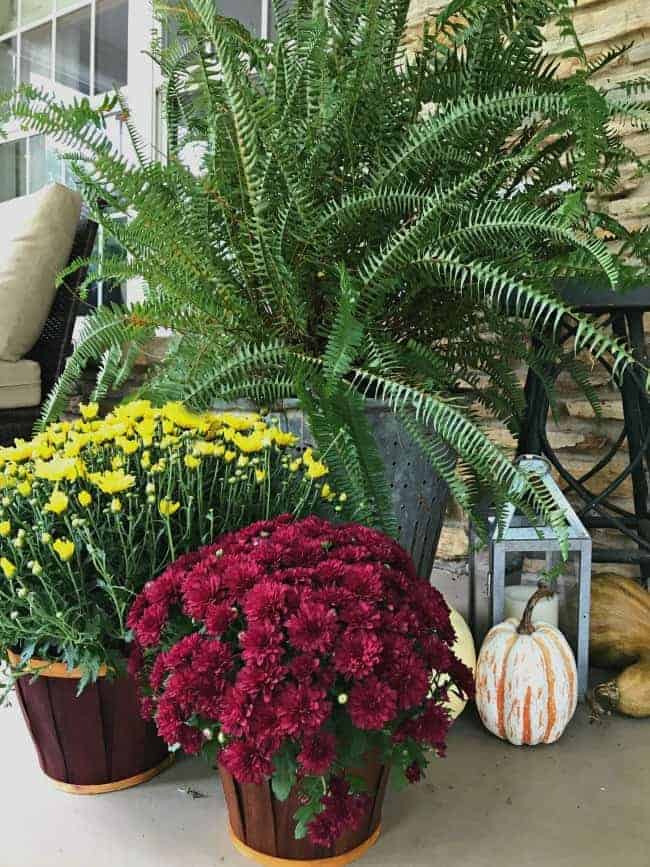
x,y
20,384
36,236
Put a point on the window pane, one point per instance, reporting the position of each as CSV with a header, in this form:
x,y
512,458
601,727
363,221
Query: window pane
x,y
272,29
8,63
111,44
249,12
34,10
65,4
44,166
36,54
8,15
73,50
13,166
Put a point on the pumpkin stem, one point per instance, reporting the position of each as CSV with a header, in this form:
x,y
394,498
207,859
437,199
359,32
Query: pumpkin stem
x,y
526,626
608,695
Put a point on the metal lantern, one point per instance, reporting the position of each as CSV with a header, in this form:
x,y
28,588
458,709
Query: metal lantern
x,y
517,536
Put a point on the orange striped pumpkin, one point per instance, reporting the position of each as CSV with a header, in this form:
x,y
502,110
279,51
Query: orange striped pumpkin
x,y
526,680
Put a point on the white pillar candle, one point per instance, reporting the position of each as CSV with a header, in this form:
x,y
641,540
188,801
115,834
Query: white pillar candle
x,y
546,610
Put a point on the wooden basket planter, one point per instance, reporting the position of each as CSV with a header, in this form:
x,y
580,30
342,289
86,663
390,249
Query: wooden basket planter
x,y
93,743
262,828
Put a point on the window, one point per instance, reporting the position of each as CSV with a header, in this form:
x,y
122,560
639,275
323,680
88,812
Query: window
x,y
8,15
36,56
36,10
73,51
249,12
8,63
27,165
13,169
111,44
81,46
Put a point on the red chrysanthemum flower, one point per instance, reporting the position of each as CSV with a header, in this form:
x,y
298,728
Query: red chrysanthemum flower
x,y
246,763
357,653
302,709
266,601
313,627
218,617
414,773
318,753
149,627
262,644
372,704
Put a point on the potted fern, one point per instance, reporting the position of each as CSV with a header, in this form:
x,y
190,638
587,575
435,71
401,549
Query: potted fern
x,y
366,224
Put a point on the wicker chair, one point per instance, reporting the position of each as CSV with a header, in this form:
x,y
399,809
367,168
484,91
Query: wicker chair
x,y
55,343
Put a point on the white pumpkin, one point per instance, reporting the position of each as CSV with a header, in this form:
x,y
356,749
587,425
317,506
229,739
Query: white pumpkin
x,y
465,650
526,680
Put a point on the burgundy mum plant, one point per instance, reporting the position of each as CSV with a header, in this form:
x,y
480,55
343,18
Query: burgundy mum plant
x,y
293,651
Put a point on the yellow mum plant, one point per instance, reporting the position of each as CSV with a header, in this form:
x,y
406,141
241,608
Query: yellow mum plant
x,y
91,510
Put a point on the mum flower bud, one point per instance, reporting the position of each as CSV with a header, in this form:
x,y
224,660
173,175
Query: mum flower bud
x,y
8,568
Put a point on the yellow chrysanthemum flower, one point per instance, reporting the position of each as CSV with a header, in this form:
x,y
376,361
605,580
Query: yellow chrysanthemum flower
x,y
251,443
183,417
191,462
44,452
64,548
326,491
239,421
113,482
229,456
89,411
85,498
21,451
146,430
116,505
168,508
129,447
260,475
24,488
136,409
5,529
316,470
58,469
8,568
145,460
58,503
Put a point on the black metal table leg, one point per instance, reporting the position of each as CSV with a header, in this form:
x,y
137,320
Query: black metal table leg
x,y
597,511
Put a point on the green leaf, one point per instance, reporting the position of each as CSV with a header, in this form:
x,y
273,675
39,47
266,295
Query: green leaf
x,y
283,778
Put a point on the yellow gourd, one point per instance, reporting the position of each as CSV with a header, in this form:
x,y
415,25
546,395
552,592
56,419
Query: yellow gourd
x,y
629,693
465,650
620,621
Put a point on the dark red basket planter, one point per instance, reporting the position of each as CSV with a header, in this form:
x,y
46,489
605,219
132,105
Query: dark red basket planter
x,y
91,744
262,828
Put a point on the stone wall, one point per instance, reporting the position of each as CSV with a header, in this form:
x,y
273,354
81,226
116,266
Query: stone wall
x,y
577,437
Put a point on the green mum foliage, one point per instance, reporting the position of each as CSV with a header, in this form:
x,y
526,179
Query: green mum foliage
x,y
362,222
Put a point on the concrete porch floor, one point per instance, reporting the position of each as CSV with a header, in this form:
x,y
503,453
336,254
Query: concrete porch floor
x,y
584,801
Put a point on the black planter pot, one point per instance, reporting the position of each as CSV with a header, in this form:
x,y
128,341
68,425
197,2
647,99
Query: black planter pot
x,y
419,494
